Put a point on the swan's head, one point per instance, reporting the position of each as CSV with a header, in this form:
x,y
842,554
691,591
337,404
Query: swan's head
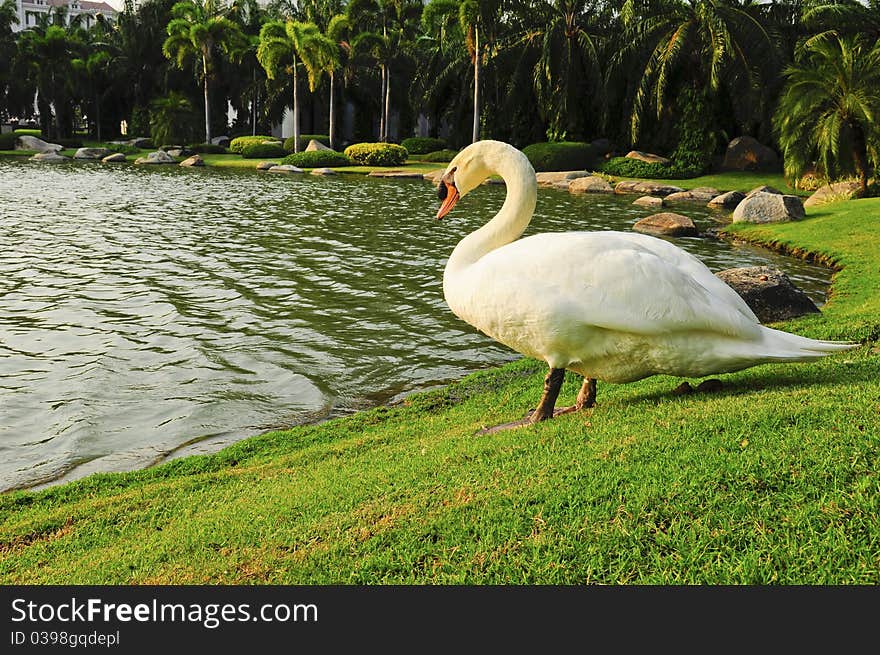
x,y
471,167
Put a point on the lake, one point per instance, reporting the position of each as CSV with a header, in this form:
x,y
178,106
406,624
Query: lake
x,y
149,313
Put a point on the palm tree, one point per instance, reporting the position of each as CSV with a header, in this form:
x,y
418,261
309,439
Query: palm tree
x,y
337,32
286,46
94,69
8,18
845,17
830,108
199,31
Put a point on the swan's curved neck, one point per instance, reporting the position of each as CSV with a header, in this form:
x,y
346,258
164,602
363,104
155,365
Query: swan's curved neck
x,y
510,221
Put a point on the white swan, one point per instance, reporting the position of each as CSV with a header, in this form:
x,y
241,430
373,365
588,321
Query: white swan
x,y
611,306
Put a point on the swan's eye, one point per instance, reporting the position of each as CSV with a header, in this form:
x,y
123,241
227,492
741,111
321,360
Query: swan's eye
x,y
441,191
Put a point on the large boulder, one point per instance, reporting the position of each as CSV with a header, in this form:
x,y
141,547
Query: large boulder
x,y
763,207
324,171
834,193
647,157
316,146
727,200
768,292
552,178
667,224
285,168
763,189
745,153
51,156
649,201
700,194
195,160
28,142
265,165
220,141
92,153
646,188
590,184
158,157
114,158
139,142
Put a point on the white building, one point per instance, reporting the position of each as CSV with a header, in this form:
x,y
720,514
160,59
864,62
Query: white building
x,y
30,10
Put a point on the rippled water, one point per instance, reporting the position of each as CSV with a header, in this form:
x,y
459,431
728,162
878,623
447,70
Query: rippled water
x,y
148,313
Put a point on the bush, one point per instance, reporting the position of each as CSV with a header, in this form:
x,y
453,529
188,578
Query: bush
x,y
422,145
561,156
69,143
442,156
124,148
263,151
317,159
304,141
28,132
208,149
377,154
8,140
239,142
625,167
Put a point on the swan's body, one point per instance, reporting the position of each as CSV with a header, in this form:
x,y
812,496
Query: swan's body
x,y
611,306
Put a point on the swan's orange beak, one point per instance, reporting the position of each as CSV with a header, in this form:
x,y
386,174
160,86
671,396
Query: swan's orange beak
x,y
448,194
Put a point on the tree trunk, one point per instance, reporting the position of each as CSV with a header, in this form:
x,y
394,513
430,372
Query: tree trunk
x,y
98,116
860,157
207,104
332,122
476,131
254,105
295,110
387,104
382,104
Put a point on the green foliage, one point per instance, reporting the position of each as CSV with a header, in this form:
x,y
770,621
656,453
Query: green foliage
x,y
696,138
238,143
626,167
139,125
561,156
441,156
171,119
68,142
29,132
422,145
208,149
263,151
8,141
124,148
317,159
304,141
377,154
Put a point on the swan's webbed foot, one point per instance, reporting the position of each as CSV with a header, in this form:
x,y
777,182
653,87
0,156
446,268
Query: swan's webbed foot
x,y
586,398
545,409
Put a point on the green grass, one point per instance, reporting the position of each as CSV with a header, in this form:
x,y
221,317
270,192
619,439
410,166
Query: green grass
x,y
735,181
773,480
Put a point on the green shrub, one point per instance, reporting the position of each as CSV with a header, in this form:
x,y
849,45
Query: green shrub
x,y
263,151
625,167
28,132
317,159
8,140
304,141
239,142
208,149
69,143
442,156
422,145
377,154
561,156
124,148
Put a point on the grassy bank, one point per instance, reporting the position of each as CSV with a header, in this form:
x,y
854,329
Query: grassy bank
x,y
772,480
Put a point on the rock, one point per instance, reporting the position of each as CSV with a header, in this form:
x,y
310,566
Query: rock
x,y
667,224
647,157
178,151
400,174
834,193
324,171
265,165
646,188
764,207
158,157
548,179
590,184
139,142
745,153
91,153
285,168
50,156
727,200
195,160
602,146
316,146
768,292
28,142
562,185
763,189
649,201
114,158
700,194
220,141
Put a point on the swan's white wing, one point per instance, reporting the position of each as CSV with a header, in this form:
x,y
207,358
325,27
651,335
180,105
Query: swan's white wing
x,y
617,281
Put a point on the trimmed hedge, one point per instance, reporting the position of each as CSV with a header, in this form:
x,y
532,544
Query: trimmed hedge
x,y
441,156
25,131
422,145
8,141
561,156
239,142
263,151
377,154
317,159
304,141
626,167
208,149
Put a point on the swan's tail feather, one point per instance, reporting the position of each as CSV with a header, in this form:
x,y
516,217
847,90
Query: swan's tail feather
x,y
784,346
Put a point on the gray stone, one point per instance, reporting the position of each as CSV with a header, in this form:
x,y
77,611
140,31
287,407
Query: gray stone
x,y
649,201
50,156
195,160
590,184
265,165
158,157
701,195
92,153
285,168
550,178
834,193
764,207
646,188
114,158
667,224
316,146
727,200
324,171
768,292
647,157
139,142
220,141
745,153
763,189
28,142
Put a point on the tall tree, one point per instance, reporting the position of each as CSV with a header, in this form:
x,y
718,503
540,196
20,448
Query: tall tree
x,y
201,30
830,109
338,33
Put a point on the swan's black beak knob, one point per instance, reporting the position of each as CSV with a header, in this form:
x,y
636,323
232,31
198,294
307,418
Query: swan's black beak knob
x,y
448,194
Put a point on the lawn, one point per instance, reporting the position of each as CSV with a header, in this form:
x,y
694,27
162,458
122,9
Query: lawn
x,y
772,480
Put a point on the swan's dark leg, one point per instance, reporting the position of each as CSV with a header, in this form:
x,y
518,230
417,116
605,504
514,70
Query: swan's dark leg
x,y
586,398
544,411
